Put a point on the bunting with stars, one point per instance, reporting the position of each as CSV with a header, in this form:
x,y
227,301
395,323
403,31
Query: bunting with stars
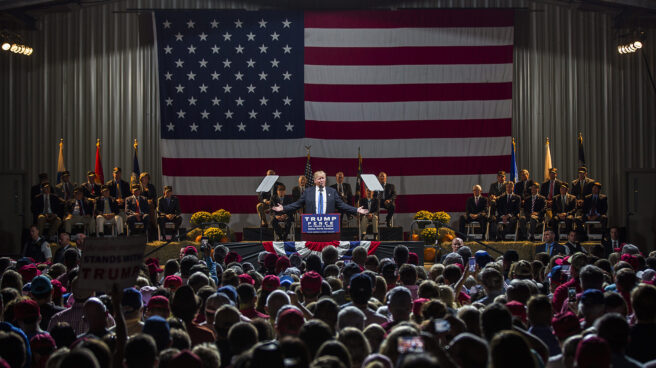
x,y
425,93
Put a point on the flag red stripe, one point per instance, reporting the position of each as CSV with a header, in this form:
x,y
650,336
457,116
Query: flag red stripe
x,y
410,18
409,129
247,203
407,92
408,55
227,167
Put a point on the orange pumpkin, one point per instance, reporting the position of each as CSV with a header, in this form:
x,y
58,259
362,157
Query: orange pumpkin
x,y
224,239
429,254
198,238
415,237
449,237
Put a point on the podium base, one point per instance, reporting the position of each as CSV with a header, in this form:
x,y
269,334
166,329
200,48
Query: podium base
x,y
320,237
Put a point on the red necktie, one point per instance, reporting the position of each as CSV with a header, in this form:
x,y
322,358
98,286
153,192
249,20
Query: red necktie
x,y
138,207
551,187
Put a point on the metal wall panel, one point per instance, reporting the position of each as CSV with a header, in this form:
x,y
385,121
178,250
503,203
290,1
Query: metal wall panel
x,y
90,77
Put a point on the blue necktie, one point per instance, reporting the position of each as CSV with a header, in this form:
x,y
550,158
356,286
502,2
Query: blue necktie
x,y
320,205
548,249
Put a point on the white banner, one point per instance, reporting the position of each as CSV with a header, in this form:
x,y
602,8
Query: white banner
x,y
108,261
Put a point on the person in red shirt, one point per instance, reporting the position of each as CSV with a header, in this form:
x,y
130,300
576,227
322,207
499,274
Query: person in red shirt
x,y
247,301
578,261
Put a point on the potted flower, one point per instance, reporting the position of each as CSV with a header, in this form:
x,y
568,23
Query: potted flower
x,y
200,217
423,218
429,235
221,216
441,218
214,234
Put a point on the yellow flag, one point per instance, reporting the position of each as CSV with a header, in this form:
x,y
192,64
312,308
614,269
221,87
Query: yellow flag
x,y
547,161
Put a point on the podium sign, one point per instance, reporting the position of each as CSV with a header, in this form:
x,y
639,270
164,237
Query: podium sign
x,y
320,224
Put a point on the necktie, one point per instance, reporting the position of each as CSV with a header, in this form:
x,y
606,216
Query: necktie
x,y
118,190
476,200
138,207
564,203
320,203
340,189
614,244
551,187
168,202
549,249
107,208
47,205
533,205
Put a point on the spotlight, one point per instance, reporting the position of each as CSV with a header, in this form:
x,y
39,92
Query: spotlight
x,y
629,48
637,45
6,46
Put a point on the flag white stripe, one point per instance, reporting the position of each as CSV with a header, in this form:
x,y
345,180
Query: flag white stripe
x,y
408,74
414,110
408,37
243,185
392,148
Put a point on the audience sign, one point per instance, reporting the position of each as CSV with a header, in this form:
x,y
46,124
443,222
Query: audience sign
x,y
107,261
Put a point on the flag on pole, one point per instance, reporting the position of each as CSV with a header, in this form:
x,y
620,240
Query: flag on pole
x,y
360,183
308,169
134,178
513,162
547,161
60,161
100,176
581,152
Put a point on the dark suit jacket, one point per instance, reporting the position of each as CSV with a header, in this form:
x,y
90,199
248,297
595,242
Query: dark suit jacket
x,y
149,192
296,193
100,203
91,190
333,202
544,188
59,190
286,200
540,205
570,205
602,204
495,190
131,205
87,204
125,188
575,188
171,209
348,194
390,193
523,188
574,248
472,208
372,208
56,205
505,208
35,191
556,249
267,195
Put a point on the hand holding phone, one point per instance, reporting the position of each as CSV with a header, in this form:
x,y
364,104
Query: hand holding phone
x,y
472,264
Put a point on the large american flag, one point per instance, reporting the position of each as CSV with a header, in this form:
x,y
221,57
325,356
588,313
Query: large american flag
x,y
424,93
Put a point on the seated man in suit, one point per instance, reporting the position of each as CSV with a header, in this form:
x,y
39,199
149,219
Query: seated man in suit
x,y
388,197
523,186
563,209
534,207
136,208
595,207
582,186
119,189
282,221
320,200
264,201
64,190
168,209
107,212
370,204
551,187
344,191
91,188
476,210
550,246
612,242
37,188
79,210
508,206
48,209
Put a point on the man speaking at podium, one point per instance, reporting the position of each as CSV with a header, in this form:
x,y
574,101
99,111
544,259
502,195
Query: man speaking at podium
x,y
320,199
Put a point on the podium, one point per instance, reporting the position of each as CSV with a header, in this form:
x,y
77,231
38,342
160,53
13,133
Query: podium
x,y
320,228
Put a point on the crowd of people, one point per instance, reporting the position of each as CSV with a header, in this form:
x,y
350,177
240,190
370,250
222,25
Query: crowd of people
x,y
525,208
213,309
98,209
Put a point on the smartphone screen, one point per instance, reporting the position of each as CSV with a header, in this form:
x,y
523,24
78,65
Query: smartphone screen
x,y
442,326
472,264
571,294
410,344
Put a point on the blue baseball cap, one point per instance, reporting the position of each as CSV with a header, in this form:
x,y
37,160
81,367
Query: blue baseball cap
x,y
40,286
131,299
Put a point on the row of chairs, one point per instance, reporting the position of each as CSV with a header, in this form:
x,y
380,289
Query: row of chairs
x,y
473,226
170,232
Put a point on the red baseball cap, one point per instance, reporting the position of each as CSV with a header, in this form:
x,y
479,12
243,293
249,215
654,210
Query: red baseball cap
x,y
172,281
311,282
270,283
290,322
245,278
158,301
28,272
26,309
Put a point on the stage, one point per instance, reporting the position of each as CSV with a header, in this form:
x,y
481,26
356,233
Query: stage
x,y
249,250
